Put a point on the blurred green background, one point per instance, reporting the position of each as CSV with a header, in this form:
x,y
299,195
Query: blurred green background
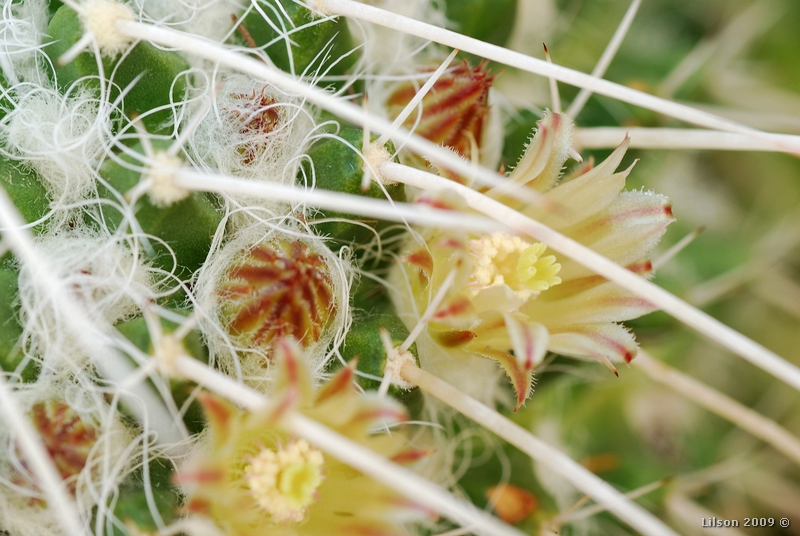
x,y
741,60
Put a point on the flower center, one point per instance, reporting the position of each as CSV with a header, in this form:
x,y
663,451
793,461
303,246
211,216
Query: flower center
x,y
502,259
284,482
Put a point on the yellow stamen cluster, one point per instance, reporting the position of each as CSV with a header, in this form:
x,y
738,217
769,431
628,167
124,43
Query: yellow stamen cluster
x,y
536,272
502,259
284,483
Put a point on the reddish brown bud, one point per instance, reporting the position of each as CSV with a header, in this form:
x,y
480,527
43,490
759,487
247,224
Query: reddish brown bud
x,y
67,438
278,289
452,111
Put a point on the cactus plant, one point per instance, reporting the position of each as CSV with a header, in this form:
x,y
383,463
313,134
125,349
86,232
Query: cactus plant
x,y
241,242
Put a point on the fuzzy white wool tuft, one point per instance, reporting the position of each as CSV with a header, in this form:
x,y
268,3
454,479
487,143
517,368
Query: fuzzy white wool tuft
x,y
253,131
102,274
100,17
59,137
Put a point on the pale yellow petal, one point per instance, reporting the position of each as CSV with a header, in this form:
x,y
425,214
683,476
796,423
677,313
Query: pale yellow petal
x,y
625,232
603,303
529,340
496,298
594,341
540,165
582,198
629,210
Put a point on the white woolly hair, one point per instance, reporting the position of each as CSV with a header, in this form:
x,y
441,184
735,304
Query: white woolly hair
x,y
22,508
208,18
102,273
59,137
230,141
398,52
249,364
23,30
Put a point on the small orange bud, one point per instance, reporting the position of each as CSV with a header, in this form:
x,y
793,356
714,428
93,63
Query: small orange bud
x,y
601,463
512,504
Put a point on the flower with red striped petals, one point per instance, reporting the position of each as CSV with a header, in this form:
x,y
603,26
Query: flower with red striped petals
x,y
513,300
255,479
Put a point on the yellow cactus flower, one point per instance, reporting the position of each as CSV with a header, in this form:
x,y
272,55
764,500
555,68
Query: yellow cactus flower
x,y
513,300
255,479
